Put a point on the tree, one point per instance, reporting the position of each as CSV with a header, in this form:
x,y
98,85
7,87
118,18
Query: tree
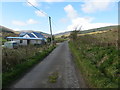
x,y
73,35
63,36
49,39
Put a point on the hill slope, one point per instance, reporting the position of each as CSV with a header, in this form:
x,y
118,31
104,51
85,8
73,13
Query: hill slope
x,y
96,56
99,29
6,32
89,31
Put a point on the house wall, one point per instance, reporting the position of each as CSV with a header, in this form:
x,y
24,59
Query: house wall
x,y
35,41
32,41
39,42
24,42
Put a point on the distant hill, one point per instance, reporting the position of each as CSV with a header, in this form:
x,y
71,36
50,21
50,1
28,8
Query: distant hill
x,y
5,29
62,34
43,33
6,32
99,29
88,31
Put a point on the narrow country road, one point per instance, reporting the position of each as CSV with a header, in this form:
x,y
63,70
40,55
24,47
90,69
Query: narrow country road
x,y
59,61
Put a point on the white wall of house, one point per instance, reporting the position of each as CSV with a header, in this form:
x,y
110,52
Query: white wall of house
x,y
39,42
32,41
24,42
35,41
26,36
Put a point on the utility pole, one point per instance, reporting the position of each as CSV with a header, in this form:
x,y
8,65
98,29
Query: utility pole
x,y
49,20
50,30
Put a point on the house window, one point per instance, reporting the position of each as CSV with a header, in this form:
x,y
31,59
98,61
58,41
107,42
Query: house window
x,y
21,41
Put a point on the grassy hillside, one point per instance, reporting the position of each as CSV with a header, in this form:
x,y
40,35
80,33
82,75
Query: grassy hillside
x,y
96,56
90,31
59,35
99,29
5,32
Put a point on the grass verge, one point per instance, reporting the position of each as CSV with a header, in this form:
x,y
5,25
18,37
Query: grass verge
x,y
99,65
20,69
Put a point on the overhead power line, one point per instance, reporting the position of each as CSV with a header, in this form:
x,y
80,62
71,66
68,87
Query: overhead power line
x,y
38,9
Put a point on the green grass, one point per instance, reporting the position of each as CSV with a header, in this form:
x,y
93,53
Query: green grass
x,y
11,75
58,40
12,57
53,77
99,65
2,40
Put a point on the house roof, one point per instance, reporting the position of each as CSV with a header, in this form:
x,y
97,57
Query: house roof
x,y
31,35
24,38
22,34
39,35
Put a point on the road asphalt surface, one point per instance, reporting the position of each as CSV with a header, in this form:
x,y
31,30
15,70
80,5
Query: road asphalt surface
x,y
58,61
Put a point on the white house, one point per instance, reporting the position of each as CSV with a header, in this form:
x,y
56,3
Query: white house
x,y
29,38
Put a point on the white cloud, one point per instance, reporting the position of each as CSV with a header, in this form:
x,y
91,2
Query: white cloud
x,y
71,12
96,25
31,21
24,23
86,24
38,13
77,21
33,2
18,23
91,6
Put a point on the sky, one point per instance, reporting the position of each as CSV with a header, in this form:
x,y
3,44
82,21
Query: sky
x,y
65,15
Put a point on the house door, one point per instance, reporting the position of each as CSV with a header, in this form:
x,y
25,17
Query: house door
x,y
28,42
